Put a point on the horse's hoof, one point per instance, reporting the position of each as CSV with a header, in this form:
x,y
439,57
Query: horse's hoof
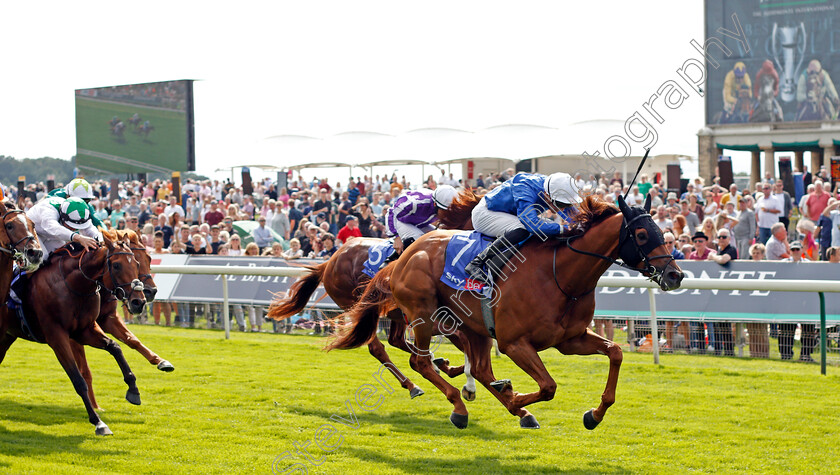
x,y
467,394
589,420
460,421
529,422
133,397
416,392
165,366
102,429
440,362
501,385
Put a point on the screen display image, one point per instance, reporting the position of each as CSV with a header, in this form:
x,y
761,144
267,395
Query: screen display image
x,y
135,128
789,71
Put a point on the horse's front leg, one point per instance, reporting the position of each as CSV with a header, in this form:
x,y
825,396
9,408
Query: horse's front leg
x,y
588,344
59,341
93,336
114,326
81,363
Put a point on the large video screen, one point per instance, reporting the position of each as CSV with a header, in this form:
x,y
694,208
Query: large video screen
x,y
790,70
136,128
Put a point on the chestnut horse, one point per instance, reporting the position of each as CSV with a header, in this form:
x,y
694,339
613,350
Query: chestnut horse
x,y
71,281
344,282
110,323
18,242
550,303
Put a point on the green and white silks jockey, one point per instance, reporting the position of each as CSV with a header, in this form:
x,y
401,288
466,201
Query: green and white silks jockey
x,y
59,221
80,188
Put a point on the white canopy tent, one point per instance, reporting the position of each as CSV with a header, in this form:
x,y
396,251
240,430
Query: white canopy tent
x,y
445,146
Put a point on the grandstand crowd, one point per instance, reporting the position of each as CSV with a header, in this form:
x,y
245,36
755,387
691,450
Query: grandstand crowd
x,y
313,218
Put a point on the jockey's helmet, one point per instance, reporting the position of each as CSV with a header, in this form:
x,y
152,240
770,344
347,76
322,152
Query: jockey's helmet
x,y
79,188
561,188
443,196
814,67
75,213
739,69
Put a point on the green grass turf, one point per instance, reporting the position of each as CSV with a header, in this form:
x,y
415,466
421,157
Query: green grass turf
x,y
165,146
234,406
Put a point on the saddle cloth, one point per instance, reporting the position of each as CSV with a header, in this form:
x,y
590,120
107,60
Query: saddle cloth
x,y
462,248
377,257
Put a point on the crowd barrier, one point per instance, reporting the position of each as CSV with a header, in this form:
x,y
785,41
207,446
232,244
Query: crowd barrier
x,y
752,291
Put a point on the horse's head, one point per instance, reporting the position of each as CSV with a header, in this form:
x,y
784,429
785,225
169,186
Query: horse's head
x,y
641,245
121,276
19,238
142,256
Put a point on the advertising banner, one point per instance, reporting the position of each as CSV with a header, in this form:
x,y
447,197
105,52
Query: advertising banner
x,y
720,305
727,305
242,289
772,61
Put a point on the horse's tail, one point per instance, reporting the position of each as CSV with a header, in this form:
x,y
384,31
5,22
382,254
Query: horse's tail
x,y
365,313
298,295
460,211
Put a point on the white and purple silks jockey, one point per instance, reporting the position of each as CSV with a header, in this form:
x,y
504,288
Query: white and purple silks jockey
x,y
414,212
511,213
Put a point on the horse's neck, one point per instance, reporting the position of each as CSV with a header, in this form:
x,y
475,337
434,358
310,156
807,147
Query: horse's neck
x,y
599,239
92,265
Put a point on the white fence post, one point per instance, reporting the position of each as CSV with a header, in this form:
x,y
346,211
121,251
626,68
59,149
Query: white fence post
x,y
654,327
225,307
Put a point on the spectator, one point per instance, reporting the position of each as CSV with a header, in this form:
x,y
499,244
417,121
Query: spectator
x,y
279,221
255,313
144,216
294,251
132,223
731,197
235,244
817,201
744,230
322,205
723,331
710,230
833,254
276,250
215,239
195,247
159,305
806,228
662,220
364,214
116,213
695,206
295,216
214,216
262,235
691,219
174,208
777,246
165,229
670,245
329,248
701,253
787,203
349,230
770,208
133,209
193,211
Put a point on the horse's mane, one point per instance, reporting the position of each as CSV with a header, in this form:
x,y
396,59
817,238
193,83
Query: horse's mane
x,y
590,212
460,210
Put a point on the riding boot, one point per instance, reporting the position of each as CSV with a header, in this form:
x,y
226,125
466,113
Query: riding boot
x,y
498,253
19,285
406,242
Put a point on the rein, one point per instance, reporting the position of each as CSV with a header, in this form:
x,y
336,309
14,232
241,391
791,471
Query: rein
x,y
11,250
117,288
651,272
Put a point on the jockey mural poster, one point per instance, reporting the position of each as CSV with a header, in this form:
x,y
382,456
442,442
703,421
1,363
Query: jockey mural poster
x,y
136,128
785,68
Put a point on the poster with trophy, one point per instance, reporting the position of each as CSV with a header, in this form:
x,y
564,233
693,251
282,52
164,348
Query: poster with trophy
x,y
784,70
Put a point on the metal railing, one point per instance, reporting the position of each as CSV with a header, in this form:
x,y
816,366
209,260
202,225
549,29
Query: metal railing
x,y
819,286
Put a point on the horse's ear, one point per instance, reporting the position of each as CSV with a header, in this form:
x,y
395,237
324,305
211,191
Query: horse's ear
x,y
622,205
647,203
